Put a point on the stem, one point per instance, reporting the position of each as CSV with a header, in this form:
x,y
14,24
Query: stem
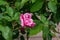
x,y
19,35
49,16
28,30
27,35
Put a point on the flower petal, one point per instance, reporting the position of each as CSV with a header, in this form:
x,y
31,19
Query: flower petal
x,y
22,20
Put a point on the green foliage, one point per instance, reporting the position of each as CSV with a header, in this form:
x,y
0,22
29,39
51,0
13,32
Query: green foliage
x,y
6,32
57,15
43,18
10,11
36,6
36,29
52,5
33,1
3,2
45,32
7,18
16,16
20,4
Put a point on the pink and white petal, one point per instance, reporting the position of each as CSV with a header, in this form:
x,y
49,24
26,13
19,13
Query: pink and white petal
x,y
22,20
33,24
22,23
28,15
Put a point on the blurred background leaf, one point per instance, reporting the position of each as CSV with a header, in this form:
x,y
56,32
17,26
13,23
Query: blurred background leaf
x,y
3,2
36,29
52,5
33,1
10,11
6,32
20,4
36,6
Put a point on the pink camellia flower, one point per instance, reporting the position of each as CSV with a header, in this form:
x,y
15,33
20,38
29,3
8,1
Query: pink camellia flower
x,y
26,20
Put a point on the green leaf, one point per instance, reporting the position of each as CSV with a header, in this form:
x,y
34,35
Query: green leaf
x,y
33,1
0,16
52,5
16,16
43,18
51,23
6,32
23,2
36,6
6,18
45,32
19,5
10,11
35,30
56,17
3,2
